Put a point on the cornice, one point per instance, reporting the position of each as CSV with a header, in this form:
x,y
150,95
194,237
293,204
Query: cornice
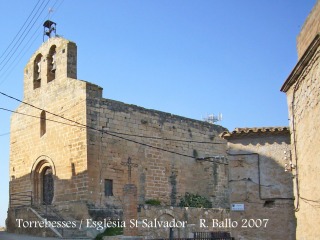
x,y
302,63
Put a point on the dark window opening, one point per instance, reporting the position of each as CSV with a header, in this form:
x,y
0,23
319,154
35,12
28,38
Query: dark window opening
x,y
108,187
43,127
269,204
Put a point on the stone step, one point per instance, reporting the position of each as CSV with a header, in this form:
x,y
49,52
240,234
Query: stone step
x,y
71,233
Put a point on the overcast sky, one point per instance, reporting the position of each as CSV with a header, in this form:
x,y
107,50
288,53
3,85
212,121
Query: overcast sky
x,y
189,58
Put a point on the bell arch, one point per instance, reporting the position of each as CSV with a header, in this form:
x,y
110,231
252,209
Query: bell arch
x,y
43,177
37,71
51,64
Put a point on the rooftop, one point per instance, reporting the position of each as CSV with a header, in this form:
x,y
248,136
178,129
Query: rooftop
x,y
255,131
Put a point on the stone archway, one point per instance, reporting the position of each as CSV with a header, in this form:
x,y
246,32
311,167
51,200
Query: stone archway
x,y
42,177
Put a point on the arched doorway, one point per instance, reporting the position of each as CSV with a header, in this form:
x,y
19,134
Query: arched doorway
x,y
47,186
43,177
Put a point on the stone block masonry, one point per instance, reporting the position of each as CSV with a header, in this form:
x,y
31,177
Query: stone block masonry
x,y
303,94
161,174
67,165
130,208
309,30
184,221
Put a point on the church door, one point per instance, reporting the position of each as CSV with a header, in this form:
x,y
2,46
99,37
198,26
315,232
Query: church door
x,y
48,186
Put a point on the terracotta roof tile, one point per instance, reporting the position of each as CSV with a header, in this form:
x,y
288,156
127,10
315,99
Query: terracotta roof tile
x,y
241,132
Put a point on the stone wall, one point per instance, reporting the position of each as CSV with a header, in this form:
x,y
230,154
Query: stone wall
x,y
304,112
21,221
165,147
310,29
258,180
56,144
142,134
186,221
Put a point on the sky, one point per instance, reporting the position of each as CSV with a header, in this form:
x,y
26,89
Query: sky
x,y
186,57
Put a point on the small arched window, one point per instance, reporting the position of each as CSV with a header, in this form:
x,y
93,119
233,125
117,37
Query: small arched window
x,y
37,71
43,127
51,64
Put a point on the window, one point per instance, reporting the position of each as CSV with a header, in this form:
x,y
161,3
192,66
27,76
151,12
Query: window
x,y
108,187
43,127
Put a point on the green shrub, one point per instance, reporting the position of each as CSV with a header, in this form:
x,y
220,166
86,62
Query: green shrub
x,y
154,202
195,200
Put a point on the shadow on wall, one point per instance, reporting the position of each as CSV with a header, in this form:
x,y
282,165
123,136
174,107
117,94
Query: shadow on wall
x,y
258,180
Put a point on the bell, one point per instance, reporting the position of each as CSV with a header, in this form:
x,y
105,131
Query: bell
x,y
53,69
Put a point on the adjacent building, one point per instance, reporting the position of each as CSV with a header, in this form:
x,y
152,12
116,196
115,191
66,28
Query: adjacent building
x,y
260,184
302,88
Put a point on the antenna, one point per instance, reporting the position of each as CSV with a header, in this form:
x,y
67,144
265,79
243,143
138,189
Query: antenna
x,y
211,118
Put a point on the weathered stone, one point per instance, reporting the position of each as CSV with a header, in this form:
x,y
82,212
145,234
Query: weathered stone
x,y
85,140
303,94
257,158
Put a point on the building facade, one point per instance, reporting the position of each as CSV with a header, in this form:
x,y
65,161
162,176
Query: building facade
x,y
302,88
260,183
70,147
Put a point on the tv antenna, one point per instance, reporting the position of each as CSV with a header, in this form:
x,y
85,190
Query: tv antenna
x,y
211,118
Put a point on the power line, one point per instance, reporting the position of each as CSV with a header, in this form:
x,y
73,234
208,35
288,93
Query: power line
x,y
109,133
19,31
18,57
166,139
112,132
29,115
48,119
4,134
23,35
92,128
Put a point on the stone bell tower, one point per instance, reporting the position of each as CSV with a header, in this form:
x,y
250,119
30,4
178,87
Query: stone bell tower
x,y
55,60
48,155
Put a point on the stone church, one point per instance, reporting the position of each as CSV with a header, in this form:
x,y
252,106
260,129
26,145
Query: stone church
x,y
73,152
78,149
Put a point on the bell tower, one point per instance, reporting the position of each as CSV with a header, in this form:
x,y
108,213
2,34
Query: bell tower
x,y
51,64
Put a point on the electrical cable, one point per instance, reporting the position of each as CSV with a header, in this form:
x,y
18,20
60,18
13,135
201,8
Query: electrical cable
x,y
48,119
112,132
19,42
27,45
308,57
297,207
19,31
4,134
28,115
259,177
92,128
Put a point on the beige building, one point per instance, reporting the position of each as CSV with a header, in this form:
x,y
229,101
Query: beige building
x,y
260,188
303,94
70,147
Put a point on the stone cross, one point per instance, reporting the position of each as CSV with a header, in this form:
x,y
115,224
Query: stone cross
x,y
130,165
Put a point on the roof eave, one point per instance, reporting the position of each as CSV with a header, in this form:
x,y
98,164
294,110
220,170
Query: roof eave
x,y
301,64
254,132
